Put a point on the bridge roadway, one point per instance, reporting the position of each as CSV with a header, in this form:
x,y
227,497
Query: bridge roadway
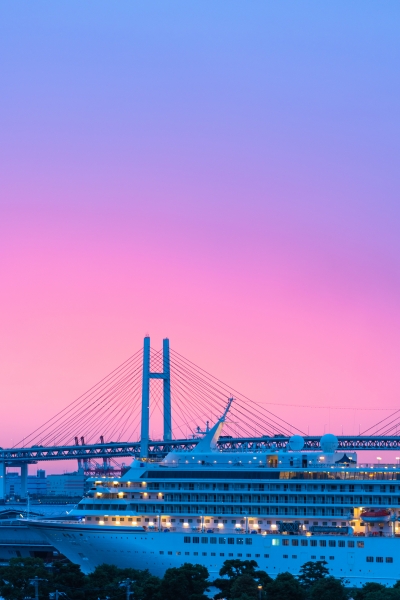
x,y
158,449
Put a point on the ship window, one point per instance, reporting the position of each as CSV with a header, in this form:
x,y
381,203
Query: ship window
x,y
204,540
222,540
196,540
379,559
169,551
178,553
332,543
122,519
186,539
161,551
129,519
322,542
248,555
213,540
249,541
266,555
239,540
350,544
97,518
313,542
257,555
389,559
313,557
322,557
230,554
88,518
139,520
304,542
360,544
207,520
204,553
212,553
286,556
231,540
195,553
370,559
341,544
113,519
275,541
240,554
285,542
187,553
295,542
221,554
294,555
331,558
106,519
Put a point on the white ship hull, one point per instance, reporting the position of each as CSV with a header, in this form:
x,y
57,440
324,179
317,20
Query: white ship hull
x,y
157,551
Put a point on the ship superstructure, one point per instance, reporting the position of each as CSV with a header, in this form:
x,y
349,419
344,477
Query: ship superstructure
x,y
281,508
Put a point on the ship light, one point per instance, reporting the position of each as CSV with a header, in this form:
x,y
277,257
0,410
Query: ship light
x,y
101,522
186,524
273,526
220,525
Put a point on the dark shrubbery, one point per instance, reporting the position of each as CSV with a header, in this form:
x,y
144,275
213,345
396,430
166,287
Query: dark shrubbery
x,y
238,580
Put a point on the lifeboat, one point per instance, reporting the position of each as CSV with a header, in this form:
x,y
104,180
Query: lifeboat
x,y
375,515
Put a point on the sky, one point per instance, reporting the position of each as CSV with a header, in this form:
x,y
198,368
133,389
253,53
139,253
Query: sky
x,y
222,174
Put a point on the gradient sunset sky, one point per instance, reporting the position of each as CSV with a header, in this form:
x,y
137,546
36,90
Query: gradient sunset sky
x,y
225,174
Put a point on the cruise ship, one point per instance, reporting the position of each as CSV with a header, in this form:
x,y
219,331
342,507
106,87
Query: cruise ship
x,y
279,507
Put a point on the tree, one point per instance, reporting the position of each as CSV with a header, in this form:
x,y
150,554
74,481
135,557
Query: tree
x,y
285,587
312,571
188,582
368,588
15,578
105,582
68,577
328,588
244,587
384,594
233,575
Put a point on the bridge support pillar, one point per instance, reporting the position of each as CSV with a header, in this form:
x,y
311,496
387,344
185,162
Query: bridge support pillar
x,y
24,480
167,391
2,480
166,377
144,438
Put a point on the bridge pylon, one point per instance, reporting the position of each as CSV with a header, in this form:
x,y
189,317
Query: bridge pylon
x,y
166,377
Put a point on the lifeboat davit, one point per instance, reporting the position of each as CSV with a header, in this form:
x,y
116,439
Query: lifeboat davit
x,y
375,515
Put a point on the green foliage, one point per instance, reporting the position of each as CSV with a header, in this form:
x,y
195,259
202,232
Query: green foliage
x,y
328,588
313,571
188,582
239,580
367,588
15,578
384,594
285,587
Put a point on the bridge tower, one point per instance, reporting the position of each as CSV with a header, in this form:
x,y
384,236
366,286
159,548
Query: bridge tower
x,y
166,377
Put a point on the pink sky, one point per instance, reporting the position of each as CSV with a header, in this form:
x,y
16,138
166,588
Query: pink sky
x,y
229,182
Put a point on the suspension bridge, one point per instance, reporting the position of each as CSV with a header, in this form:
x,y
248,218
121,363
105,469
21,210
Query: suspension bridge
x,y
111,420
